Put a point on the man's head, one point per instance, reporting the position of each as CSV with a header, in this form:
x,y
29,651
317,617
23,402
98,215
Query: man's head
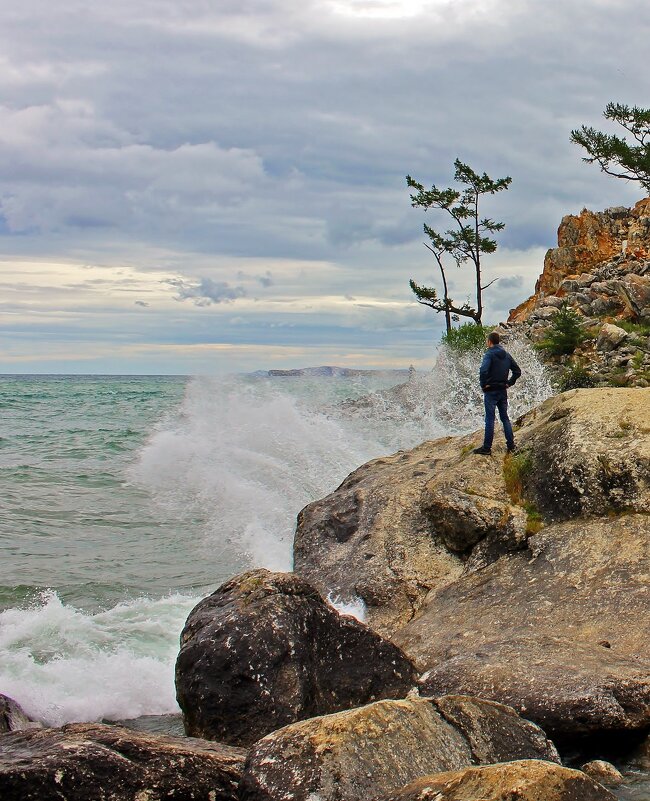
x,y
493,339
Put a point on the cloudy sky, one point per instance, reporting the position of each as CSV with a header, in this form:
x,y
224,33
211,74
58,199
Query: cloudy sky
x,y
192,186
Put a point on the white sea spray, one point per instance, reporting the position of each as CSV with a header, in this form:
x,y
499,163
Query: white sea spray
x,y
223,474
355,607
65,665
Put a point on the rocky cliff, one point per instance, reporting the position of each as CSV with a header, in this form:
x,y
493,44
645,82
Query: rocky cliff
x,y
601,270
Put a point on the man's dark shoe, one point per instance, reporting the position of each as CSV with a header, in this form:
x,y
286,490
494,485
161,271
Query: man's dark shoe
x,y
512,449
482,451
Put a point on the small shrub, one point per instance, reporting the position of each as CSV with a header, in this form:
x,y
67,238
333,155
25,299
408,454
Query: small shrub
x,y
534,520
466,337
637,359
515,470
565,332
575,377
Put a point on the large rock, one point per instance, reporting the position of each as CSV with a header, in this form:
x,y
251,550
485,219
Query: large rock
x,y
525,780
13,718
635,293
87,762
589,453
405,525
559,631
401,526
610,337
368,752
586,241
553,621
265,650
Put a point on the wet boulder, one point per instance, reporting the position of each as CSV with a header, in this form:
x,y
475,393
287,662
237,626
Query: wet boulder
x,y
13,718
525,780
266,650
86,762
368,752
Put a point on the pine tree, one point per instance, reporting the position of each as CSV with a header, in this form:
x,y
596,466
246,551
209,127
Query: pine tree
x,y
613,153
565,332
468,240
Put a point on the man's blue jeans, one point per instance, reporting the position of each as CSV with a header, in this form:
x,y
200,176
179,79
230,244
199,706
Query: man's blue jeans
x,y
497,399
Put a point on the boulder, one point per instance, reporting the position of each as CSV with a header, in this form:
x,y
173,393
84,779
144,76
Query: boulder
x,y
587,452
544,604
12,717
266,650
558,631
405,525
634,290
610,337
94,761
401,526
367,752
603,772
523,780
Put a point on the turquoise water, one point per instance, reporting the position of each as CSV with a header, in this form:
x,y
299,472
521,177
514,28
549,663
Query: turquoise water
x,y
72,519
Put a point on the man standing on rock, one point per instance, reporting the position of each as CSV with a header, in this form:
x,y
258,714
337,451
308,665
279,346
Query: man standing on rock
x,y
494,375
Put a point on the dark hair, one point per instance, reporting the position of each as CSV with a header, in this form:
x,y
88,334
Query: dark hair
x,y
494,338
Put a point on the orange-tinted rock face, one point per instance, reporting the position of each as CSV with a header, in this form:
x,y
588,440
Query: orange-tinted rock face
x,y
638,236
588,239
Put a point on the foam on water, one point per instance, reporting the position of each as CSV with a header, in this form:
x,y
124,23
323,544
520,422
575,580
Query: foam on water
x,y
354,607
64,665
246,455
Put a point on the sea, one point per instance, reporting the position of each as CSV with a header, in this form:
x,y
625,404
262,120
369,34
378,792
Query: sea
x,y
126,499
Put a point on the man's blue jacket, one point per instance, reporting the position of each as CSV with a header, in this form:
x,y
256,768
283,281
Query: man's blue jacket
x,y
495,369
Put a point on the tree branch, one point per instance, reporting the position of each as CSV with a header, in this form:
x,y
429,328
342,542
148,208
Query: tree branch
x,y
483,288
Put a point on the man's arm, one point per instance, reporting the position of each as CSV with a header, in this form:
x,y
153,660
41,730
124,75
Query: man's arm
x,y
483,372
516,372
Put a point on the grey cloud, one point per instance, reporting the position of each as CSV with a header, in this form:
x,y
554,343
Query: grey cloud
x,y
265,279
206,291
142,303
229,145
511,282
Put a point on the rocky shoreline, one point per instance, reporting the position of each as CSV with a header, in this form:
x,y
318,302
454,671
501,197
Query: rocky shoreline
x,y
504,650
508,621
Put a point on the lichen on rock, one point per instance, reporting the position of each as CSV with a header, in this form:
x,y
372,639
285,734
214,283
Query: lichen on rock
x,y
266,650
368,752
